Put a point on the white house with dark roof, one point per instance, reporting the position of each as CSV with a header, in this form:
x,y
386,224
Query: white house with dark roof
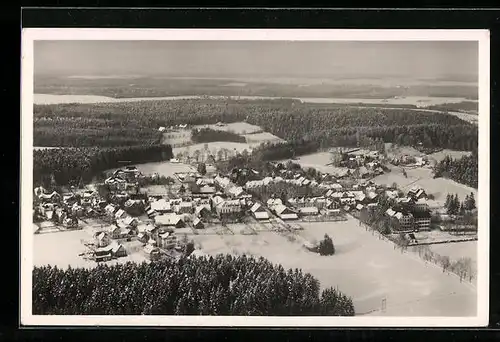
x,y
161,206
284,212
168,220
259,212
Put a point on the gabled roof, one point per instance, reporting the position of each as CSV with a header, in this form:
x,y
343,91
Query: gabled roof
x,y
389,212
167,219
281,209
119,213
150,249
256,207
196,221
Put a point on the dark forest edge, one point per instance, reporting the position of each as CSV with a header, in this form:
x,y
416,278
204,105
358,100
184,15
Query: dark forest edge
x,y
221,285
463,170
79,165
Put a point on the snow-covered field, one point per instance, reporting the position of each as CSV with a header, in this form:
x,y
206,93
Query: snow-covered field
x,y
235,127
318,161
364,267
214,147
61,249
439,187
259,138
458,250
164,168
438,156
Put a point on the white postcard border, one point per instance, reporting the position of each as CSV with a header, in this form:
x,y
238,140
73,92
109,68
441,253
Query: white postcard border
x,y
29,35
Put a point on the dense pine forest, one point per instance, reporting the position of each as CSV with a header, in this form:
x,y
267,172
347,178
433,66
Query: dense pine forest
x,y
205,135
222,285
70,166
463,170
288,119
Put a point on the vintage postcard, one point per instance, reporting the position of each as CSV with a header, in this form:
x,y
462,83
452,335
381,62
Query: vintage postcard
x,y
288,178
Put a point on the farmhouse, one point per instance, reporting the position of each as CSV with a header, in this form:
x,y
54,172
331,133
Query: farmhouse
x,y
222,182
202,210
228,207
102,239
273,202
417,193
284,212
134,207
151,252
116,183
120,213
169,220
103,253
184,208
197,223
259,212
204,191
168,240
235,191
117,250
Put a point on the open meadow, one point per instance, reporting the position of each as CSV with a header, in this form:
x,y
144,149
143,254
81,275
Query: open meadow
x,y
318,161
457,250
364,267
256,139
61,249
213,147
234,127
166,169
438,156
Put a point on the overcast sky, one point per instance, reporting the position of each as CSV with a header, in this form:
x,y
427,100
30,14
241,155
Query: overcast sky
x,y
257,58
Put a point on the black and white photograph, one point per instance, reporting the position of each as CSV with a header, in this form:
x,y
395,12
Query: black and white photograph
x,y
255,177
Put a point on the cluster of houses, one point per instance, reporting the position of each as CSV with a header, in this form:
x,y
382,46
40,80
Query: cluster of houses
x,y
412,212
64,210
410,161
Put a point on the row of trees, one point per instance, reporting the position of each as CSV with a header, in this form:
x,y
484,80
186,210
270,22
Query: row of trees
x,y
454,206
221,285
463,170
73,166
205,135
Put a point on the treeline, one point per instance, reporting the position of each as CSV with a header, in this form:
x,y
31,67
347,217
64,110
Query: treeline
x,y
86,132
463,170
76,165
222,285
290,120
205,135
